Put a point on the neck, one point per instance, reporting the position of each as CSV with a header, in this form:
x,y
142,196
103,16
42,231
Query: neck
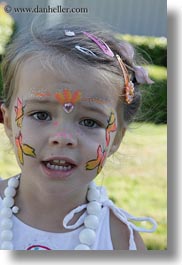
x,y
46,210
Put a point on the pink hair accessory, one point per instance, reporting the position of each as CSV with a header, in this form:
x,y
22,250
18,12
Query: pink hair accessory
x,y
126,51
141,75
101,44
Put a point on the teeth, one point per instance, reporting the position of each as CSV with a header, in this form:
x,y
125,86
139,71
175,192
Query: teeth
x,y
59,161
56,167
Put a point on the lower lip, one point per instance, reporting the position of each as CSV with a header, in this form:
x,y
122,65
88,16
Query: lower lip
x,y
61,174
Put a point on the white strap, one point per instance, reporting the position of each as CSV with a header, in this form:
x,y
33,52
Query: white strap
x,y
70,216
125,217
120,213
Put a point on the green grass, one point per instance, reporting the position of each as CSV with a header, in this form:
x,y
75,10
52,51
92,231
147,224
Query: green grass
x,y
8,165
135,176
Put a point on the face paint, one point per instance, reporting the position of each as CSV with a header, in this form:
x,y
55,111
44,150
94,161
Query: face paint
x,y
64,135
111,127
23,149
39,94
19,109
55,123
95,100
68,99
98,162
18,142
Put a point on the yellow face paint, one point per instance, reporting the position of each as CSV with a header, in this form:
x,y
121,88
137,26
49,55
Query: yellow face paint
x,y
98,162
111,127
23,149
19,110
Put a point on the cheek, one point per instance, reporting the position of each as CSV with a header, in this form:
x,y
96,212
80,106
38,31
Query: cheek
x,y
23,149
97,162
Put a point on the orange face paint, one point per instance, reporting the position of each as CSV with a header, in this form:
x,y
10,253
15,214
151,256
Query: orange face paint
x,y
19,110
111,127
68,99
40,94
23,149
98,162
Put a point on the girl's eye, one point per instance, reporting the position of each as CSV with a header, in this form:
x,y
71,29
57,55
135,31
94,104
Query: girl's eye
x,y
89,123
41,116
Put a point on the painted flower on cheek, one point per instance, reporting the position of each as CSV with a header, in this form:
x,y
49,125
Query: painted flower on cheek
x,y
98,162
23,149
19,110
111,127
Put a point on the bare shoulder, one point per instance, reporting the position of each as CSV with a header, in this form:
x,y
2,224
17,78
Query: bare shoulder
x,y
120,235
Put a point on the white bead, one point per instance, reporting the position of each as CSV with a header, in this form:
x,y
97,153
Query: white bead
x,y
8,202
6,235
94,208
92,185
13,182
87,236
7,245
93,195
10,192
6,212
6,223
91,221
82,247
15,209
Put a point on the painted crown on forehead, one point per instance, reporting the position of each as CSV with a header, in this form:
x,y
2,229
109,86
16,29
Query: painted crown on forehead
x,y
68,99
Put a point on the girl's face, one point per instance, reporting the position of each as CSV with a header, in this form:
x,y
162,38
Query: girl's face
x,y
62,127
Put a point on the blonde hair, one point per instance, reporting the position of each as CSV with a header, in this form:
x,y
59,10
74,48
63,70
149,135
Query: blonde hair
x,y
53,44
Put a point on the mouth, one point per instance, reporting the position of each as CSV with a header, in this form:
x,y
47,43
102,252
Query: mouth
x,y
58,167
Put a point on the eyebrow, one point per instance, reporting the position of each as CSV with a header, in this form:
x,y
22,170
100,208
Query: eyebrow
x,y
95,108
82,104
40,101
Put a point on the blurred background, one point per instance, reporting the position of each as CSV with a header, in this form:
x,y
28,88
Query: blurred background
x,y
136,177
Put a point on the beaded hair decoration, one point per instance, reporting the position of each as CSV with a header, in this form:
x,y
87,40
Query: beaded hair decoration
x,y
128,85
141,74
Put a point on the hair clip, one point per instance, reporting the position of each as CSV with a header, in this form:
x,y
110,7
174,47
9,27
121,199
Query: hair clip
x,y
141,75
85,50
101,44
69,33
128,85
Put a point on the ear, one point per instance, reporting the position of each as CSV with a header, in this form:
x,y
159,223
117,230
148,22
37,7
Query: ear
x,y
7,122
117,141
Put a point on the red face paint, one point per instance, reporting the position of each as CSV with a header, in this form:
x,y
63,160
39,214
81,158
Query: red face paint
x,y
23,149
55,123
19,110
111,127
98,162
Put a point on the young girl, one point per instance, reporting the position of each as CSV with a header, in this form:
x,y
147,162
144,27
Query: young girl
x,y
69,94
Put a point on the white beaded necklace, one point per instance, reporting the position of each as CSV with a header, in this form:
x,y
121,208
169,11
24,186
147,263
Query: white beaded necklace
x,y
87,235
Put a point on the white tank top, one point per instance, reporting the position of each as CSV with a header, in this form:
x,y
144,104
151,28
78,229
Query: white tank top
x,y
26,237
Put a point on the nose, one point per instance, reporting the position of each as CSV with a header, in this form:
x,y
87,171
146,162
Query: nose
x,y
63,139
